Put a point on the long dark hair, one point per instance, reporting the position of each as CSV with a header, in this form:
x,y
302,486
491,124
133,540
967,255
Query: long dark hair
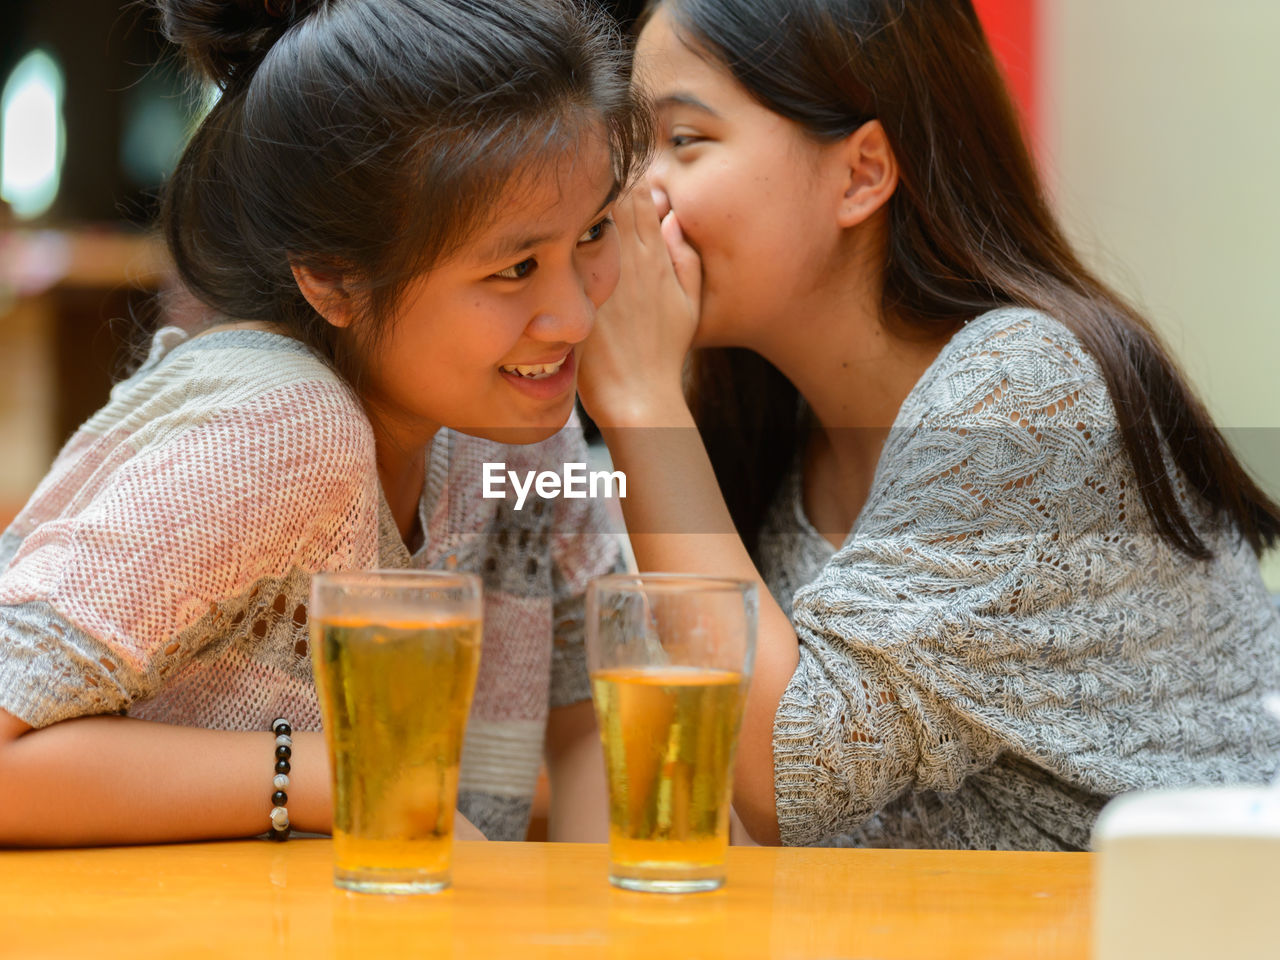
x,y
371,137
969,230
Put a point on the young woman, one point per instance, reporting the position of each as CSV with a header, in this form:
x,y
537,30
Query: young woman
x,y
399,209
1008,566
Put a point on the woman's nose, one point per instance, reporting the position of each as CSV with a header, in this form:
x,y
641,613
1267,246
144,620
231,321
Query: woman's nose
x,y
567,318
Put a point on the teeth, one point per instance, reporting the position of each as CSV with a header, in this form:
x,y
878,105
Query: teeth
x,y
535,371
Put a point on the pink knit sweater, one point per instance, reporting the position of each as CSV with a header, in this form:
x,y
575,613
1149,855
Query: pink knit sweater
x,y
163,566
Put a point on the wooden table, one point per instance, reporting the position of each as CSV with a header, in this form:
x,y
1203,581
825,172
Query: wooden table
x,y
529,900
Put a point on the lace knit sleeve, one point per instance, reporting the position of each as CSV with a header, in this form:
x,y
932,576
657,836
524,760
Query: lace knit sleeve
x,y
158,529
921,641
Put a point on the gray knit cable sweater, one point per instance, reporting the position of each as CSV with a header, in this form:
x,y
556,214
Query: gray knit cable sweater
x,y
1003,642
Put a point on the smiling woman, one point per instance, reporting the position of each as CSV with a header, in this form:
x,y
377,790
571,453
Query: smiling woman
x,y
525,287
396,223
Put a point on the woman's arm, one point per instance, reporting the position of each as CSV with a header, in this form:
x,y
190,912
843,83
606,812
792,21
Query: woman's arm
x,y
99,781
583,546
575,767
676,516
671,486
115,780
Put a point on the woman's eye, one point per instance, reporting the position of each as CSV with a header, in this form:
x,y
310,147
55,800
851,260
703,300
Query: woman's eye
x,y
679,140
519,271
597,232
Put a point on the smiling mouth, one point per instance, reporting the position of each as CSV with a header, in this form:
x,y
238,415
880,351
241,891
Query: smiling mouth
x,y
535,371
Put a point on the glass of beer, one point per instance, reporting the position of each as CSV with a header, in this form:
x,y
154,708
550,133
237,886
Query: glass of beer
x,y
396,655
670,658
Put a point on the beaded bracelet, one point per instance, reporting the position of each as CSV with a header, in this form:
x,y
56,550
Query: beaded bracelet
x,y
279,799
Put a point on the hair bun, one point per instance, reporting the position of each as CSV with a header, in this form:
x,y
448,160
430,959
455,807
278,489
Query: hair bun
x,y
222,38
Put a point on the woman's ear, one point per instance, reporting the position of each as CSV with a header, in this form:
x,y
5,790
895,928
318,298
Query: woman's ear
x,y
325,292
871,173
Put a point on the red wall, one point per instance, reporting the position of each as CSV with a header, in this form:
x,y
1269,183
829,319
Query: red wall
x,y
1012,27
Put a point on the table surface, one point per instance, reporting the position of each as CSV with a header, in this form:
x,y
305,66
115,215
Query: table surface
x,y
522,900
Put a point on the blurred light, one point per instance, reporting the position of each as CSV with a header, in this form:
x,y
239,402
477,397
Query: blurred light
x,y
32,135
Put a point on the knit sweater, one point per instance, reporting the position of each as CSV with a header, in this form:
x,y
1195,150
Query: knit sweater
x,y
162,568
1004,642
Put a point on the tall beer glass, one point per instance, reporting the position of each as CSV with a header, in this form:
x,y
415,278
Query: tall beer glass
x,y
395,656
670,659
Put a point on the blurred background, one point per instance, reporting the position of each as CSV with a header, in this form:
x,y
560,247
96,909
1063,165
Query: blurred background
x,y
1154,122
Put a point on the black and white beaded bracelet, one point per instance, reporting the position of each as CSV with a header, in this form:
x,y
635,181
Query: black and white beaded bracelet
x,y
280,782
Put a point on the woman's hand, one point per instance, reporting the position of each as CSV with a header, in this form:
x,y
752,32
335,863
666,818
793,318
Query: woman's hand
x,y
632,364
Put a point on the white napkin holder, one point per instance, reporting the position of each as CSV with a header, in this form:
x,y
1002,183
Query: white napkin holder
x,y
1189,875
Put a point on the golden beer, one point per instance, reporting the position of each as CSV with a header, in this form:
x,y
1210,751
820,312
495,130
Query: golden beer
x,y
397,696
669,735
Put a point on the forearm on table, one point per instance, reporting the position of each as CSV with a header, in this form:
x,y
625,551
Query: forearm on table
x,y
575,769
115,780
671,487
